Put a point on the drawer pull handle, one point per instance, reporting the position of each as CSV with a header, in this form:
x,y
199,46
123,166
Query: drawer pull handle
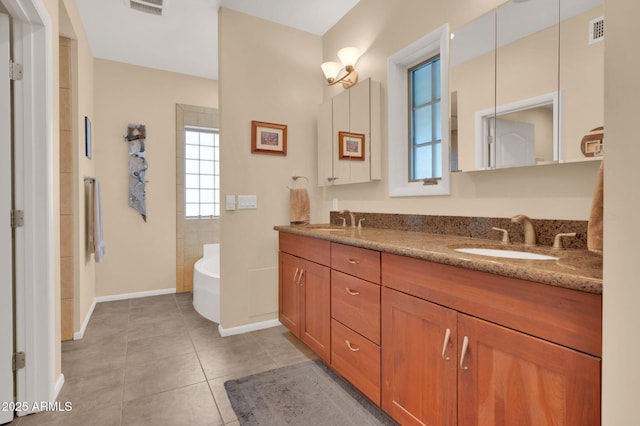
x,y
351,292
351,347
463,352
352,261
447,338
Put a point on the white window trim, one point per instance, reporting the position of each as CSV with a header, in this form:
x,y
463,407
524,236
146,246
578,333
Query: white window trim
x,y
434,43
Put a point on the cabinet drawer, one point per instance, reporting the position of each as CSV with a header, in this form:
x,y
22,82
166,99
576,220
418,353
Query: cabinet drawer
x,y
360,262
313,249
356,359
568,317
356,304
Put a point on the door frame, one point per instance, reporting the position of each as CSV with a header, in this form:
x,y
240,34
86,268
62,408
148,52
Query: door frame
x,y
482,125
34,253
6,255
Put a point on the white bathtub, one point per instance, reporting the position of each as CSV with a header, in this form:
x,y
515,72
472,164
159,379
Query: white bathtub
x,y
206,283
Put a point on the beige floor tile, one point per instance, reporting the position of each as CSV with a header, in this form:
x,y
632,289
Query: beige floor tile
x,y
116,307
189,406
144,378
96,391
147,361
157,347
226,360
106,416
148,327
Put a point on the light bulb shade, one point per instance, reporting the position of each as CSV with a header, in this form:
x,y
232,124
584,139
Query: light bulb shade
x,y
331,69
348,55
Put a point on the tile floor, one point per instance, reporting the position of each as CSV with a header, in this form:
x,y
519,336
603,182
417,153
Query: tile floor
x,y
156,361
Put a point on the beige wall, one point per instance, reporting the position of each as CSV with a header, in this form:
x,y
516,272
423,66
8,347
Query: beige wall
x,y
140,256
267,73
621,345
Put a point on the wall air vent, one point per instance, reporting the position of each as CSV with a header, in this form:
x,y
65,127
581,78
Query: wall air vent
x,y
153,7
596,30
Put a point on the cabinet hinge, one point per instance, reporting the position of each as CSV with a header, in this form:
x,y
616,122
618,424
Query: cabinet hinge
x,y
19,361
15,71
17,218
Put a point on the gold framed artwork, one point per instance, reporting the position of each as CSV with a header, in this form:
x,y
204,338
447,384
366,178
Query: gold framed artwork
x,y
268,138
351,146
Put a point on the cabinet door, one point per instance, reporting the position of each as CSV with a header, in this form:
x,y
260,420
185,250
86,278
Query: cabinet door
x,y
341,123
359,113
418,362
510,378
315,312
325,144
289,292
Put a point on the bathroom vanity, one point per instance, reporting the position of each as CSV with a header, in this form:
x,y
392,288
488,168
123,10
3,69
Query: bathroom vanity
x,y
436,336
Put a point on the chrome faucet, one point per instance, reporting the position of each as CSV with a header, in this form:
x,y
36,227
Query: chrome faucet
x,y
529,230
352,217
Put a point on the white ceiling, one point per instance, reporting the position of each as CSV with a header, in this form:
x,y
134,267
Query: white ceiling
x,y
185,38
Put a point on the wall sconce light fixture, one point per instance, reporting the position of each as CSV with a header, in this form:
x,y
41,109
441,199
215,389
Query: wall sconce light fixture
x,y
333,70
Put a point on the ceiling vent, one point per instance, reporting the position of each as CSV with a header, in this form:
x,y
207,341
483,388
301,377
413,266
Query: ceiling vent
x,y
596,30
153,7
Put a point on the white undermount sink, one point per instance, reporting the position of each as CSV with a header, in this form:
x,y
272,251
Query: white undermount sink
x,y
510,254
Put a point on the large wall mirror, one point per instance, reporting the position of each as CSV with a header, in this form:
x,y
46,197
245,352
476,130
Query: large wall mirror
x,y
527,85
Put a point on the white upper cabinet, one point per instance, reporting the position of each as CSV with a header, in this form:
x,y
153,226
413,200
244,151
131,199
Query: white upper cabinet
x,y
349,136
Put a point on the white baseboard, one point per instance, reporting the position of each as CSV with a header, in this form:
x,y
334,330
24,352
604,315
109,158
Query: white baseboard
x,y
125,296
58,387
80,334
224,332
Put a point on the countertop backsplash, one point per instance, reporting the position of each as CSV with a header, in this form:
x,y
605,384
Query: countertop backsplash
x,y
474,227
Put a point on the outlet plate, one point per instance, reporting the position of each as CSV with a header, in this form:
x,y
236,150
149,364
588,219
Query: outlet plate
x,y
247,202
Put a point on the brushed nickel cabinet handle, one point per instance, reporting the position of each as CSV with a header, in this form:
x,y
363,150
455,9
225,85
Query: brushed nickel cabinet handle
x,y
351,347
295,276
351,292
447,338
300,278
463,352
352,261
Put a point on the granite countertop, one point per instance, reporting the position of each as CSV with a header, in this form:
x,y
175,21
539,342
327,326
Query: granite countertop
x,y
576,269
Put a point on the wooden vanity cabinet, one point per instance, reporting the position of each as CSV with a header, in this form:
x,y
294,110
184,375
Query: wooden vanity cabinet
x,y
474,356
304,291
441,345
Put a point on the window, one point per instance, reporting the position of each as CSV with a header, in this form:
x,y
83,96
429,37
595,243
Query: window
x,y
202,172
418,105
425,128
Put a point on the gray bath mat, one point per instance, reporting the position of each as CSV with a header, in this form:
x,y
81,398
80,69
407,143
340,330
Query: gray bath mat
x,y
307,394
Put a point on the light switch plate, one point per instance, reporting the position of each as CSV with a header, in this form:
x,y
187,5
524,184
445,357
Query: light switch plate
x,y
247,202
231,202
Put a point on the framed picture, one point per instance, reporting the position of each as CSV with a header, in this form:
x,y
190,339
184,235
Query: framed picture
x,y
268,138
351,146
87,137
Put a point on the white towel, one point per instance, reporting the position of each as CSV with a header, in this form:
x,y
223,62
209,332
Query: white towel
x,y
96,216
